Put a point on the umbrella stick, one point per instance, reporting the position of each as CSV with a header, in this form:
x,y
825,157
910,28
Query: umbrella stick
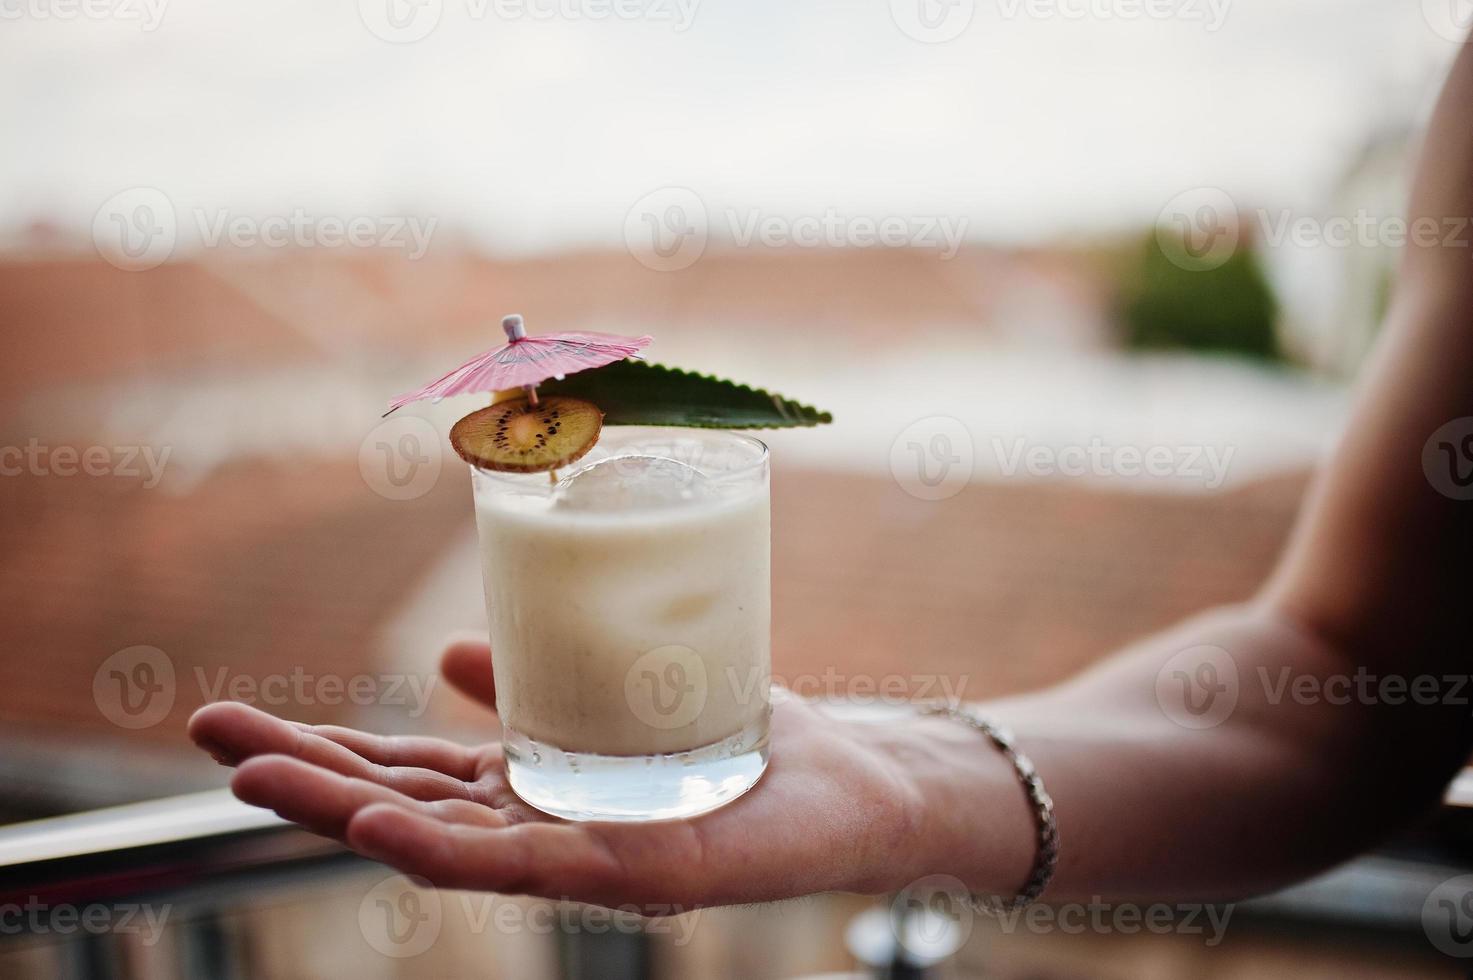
x,y
516,330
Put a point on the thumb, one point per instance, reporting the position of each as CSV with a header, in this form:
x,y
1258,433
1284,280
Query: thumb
x,y
466,664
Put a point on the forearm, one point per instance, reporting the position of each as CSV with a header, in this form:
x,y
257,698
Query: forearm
x,y
1278,787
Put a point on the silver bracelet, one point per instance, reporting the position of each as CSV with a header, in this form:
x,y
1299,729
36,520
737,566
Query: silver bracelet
x,y
1046,861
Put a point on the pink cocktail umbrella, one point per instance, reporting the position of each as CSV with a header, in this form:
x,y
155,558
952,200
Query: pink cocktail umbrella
x,y
525,362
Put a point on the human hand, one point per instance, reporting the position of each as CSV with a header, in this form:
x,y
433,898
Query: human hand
x,y
843,806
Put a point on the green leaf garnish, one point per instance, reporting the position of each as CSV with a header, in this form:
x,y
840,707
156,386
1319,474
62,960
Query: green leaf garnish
x,y
639,393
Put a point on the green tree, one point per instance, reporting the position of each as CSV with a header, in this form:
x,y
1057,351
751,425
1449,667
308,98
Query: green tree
x,y
1229,308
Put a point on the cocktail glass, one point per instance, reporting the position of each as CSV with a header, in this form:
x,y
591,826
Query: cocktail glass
x,y
630,610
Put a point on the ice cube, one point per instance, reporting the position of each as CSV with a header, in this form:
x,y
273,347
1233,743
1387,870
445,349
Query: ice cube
x,y
632,482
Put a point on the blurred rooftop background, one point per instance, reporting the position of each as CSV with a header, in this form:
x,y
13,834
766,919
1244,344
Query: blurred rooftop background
x,y
1091,253
170,286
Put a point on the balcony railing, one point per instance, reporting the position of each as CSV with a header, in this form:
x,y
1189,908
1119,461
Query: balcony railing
x,y
204,856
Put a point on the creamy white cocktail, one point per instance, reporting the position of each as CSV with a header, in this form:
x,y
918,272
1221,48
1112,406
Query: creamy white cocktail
x,y
629,608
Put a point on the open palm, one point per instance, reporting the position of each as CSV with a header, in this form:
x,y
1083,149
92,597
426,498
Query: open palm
x,y
837,810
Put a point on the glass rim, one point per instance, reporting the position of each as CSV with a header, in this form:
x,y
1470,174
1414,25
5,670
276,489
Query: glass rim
x,y
760,459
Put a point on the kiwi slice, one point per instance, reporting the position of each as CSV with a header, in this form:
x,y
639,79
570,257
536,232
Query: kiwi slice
x,y
517,437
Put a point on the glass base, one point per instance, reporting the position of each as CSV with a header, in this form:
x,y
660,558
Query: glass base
x,y
637,788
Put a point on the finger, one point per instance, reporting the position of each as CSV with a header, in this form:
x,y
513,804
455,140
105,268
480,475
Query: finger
x,y
219,729
466,664
236,732
403,750
324,801
550,859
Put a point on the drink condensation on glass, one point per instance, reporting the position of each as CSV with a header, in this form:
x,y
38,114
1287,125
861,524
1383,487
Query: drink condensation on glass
x,y
630,613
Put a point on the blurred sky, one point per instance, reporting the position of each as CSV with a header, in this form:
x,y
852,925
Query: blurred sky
x,y
540,133
536,133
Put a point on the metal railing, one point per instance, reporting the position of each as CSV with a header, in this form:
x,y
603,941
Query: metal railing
x,y
206,853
